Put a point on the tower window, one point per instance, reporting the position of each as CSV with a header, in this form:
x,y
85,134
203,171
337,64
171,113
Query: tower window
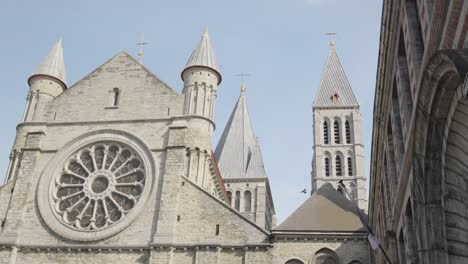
x,y
217,230
335,97
247,201
325,133
348,132
237,202
350,166
338,166
336,127
229,195
116,97
327,167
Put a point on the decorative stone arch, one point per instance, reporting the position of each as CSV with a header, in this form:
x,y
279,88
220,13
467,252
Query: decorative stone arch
x,y
294,260
441,95
325,256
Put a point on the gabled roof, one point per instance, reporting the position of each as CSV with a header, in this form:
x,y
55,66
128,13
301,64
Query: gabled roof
x,y
203,55
53,64
334,81
238,151
325,210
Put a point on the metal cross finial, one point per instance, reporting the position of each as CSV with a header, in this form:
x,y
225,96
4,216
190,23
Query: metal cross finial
x,y
141,44
243,75
331,34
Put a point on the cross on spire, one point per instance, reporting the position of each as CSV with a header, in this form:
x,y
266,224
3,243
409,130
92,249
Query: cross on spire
x,y
331,35
141,44
243,75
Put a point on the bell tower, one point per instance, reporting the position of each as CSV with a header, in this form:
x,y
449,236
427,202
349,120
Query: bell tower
x,y
338,148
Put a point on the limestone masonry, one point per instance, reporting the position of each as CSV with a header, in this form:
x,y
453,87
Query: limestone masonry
x,y
120,168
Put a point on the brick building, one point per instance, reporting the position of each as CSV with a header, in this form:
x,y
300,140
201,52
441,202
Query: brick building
x,y
419,165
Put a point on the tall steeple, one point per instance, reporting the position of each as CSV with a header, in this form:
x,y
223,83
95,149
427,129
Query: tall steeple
x,y
46,83
338,148
201,79
334,89
240,162
53,64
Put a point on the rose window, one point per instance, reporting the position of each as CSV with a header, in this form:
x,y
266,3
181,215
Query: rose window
x,y
98,186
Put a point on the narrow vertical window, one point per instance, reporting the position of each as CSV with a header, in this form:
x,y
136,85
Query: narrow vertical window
x,y
237,203
338,166
229,195
217,230
336,126
350,166
325,133
247,201
348,132
116,97
327,167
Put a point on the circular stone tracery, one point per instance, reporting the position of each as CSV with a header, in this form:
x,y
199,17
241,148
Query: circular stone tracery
x,y
98,186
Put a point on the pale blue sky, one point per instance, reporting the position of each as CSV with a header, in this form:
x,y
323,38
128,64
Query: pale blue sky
x,y
281,43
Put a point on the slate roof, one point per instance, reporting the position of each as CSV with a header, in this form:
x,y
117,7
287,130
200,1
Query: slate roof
x,y
325,210
203,55
238,151
333,81
53,64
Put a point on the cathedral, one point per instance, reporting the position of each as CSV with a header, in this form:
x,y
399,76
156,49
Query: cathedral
x,y
120,168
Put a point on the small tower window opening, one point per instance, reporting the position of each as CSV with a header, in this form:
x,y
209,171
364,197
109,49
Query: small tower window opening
x,y
336,127
237,202
217,230
338,166
115,97
325,133
348,132
327,167
335,97
247,201
350,166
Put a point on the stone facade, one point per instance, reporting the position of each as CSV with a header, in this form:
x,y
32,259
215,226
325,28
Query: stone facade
x,y
119,168
419,162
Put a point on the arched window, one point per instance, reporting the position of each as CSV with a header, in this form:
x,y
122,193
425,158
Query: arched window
x,y
336,128
338,166
327,166
348,132
326,132
237,202
350,166
116,97
325,256
247,201
229,195
294,261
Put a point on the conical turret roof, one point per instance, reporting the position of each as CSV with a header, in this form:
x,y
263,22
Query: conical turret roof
x,y
238,151
53,64
334,89
203,55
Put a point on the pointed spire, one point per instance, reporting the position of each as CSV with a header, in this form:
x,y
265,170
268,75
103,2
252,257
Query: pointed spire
x,y
203,55
334,89
238,151
53,64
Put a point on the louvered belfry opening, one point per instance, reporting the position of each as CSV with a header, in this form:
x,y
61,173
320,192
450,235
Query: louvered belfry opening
x,y
338,166
325,133
336,128
348,132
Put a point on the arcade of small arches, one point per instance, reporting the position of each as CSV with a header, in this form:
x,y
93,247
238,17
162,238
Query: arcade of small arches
x,y
242,200
337,125
338,165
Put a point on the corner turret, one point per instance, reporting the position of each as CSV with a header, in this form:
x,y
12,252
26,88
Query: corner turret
x,y
46,83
